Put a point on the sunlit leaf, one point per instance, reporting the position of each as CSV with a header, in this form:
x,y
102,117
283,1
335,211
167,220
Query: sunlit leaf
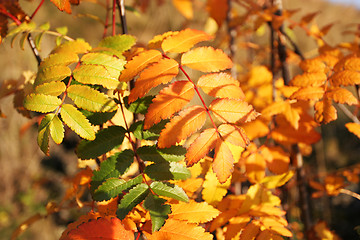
x,y
184,40
218,10
118,44
193,212
51,88
214,191
325,111
169,101
345,78
75,120
342,95
169,190
353,128
185,7
315,79
77,46
309,93
180,127
50,74
223,164
233,134
95,75
41,103
57,130
206,59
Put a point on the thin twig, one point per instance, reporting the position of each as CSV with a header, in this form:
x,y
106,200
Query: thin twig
x,y
350,193
121,7
37,9
113,18
349,114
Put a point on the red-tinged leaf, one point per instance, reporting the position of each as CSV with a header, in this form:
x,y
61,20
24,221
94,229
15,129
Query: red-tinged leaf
x,y
158,73
139,63
287,134
220,85
62,5
315,79
180,230
218,10
158,39
315,65
169,101
223,164
180,127
277,160
100,228
193,212
325,111
201,146
185,7
353,128
308,93
232,110
184,40
234,135
206,59
342,95
345,78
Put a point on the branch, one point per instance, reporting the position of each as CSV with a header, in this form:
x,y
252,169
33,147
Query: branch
x,y
121,7
349,114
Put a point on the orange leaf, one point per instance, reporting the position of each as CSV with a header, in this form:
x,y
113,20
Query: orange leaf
x,y
352,63
223,164
277,160
158,39
184,40
250,232
170,100
184,7
345,78
161,72
193,212
234,135
315,79
275,108
255,167
232,110
180,127
220,85
353,128
62,5
206,59
313,65
218,10
325,111
201,146
256,129
308,93
342,95
100,228
139,63
292,116
180,230
323,232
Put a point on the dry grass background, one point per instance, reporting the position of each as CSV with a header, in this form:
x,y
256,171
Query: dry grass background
x,y
26,185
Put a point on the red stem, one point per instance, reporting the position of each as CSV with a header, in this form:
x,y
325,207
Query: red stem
x,y
37,9
6,13
106,18
113,18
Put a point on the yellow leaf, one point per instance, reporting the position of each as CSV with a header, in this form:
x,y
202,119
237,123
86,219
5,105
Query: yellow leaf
x,y
180,127
214,191
158,39
193,212
223,164
139,63
255,167
184,40
185,7
323,232
206,59
353,128
256,129
277,180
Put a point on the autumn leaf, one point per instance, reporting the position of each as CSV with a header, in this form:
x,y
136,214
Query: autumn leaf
x,y
315,65
101,228
184,40
214,191
193,212
158,73
255,167
353,128
206,59
158,39
345,78
63,5
277,160
223,164
232,110
342,95
325,111
180,127
139,63
185,7
234,135
220,85
218,10
308,93
315,79
169,101
323,232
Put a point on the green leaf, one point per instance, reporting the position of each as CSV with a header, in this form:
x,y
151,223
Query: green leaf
x,y
106,140
38,39
140,105
153,154
167,171
62,30
23,38
44,132
77,46
135,196
45,26
95,75
112,64
153,133
169,190
51,74
113,187
98,118
159,211
75,120
61,58
118,44
23,27
90,99
57,130
41,103
51,88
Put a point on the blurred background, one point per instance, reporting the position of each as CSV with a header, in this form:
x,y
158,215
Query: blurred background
x,y
29,179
